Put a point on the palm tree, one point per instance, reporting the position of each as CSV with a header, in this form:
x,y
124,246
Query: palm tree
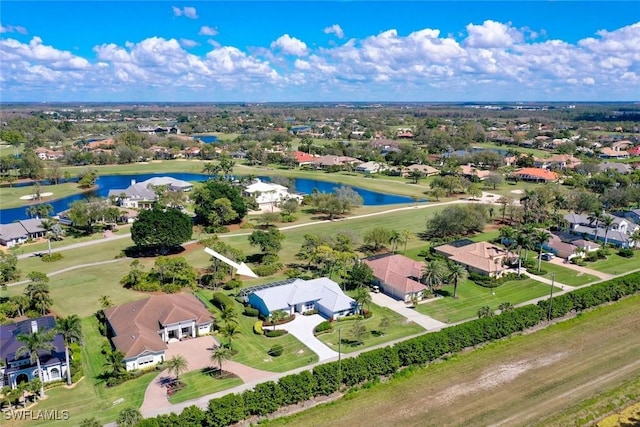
x,y
457,274
506,307
229,315
277,316
38,341
129,417
114,365
394,239
38,292
508,239
362,298
432,273
105,301
69,328
406,236
635,238
607,221
53,231
221,354
177,365
540,238
595,217
230,331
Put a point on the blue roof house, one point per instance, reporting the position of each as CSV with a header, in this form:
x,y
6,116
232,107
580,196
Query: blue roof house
x,y
300,296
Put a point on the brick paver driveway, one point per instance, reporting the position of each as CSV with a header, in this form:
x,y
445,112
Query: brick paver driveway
x,y
197,351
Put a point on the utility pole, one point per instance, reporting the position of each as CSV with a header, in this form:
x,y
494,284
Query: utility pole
x,y
339,356
553,280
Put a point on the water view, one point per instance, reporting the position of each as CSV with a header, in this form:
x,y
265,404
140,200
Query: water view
x,y
106,183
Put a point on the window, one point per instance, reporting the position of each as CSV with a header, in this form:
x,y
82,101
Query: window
x,y
145,360
55,373
309,306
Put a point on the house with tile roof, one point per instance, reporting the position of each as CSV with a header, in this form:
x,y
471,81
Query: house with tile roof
x,y
560,161
635,151
535,174
478,257
17,370
610,153
328,161
397,276
303,158
143,329
299,296
473,172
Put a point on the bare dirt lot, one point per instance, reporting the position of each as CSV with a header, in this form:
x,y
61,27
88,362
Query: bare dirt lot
x,y
519,382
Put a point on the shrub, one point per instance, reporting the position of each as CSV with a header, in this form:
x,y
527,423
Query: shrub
x,y
323,327
349,318
276,350
310,312
251,312
367,314
221,300
536,272
267,269
145,286
274,334
626,253
247,224
287,217
56,256
257,328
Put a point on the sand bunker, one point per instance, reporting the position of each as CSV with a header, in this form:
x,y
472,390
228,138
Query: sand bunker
x,y
517,191
35,196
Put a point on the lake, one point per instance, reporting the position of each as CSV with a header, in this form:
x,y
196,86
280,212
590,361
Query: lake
x,y
207,139
108,182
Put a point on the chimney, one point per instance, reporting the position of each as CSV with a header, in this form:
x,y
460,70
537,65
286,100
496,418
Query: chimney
x,y
34,326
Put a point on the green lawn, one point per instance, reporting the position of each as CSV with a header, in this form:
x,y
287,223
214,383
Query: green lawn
x,y
252,349
615,264
203,382
535,151
471,297
566,275
10,196
397,329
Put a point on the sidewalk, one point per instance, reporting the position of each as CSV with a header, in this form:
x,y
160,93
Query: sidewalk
x,y
428,323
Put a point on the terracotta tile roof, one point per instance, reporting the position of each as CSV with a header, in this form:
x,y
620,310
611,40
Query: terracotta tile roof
x,y
479,255
136,324
537,173
472,171
397,272
302,157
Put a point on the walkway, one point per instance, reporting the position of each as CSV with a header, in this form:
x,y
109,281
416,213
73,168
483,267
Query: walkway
x,y
197,351
302,328
400,307
547,281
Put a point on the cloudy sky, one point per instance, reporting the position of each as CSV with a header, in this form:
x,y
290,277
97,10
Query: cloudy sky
x,y
256,51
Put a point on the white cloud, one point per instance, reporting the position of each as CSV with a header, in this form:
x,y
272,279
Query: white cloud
x,y
335,29
492,34
290,45
186,43
13,29
207,31
187,11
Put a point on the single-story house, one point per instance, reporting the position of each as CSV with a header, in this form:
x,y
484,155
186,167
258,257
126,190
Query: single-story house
x,y
268,195
615,166
478,257
17,370
142,329
371,167
470,171
535,174
299,296
560,161
397,275
328,161
610,153
303,158
20,231
426,170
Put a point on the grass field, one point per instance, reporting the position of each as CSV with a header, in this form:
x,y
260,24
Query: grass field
x,y
471,297
397,329
42,245
523,380
202,382
615,264
567,276
10,196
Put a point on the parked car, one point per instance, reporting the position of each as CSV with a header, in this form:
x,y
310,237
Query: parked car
x,y
547,256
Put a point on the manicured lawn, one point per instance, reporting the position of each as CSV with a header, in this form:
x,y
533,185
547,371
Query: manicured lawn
x,y
10,196
471,297
252,349
374,336
567,276
203,382
615,264
78,291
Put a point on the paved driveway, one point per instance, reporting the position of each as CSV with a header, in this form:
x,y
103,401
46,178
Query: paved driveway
x,y
302,328
429,323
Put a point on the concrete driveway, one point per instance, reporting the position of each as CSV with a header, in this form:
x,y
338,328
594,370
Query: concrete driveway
x,y
302,328
429,323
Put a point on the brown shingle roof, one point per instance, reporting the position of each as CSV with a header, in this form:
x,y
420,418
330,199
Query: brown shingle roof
x,y
480,255
136,324
397,272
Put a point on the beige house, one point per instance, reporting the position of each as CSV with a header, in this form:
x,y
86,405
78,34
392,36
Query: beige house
x,y
397,275
142,329
481,257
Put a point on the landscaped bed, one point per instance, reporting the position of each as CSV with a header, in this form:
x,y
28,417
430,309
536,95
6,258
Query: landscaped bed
x,y
202,382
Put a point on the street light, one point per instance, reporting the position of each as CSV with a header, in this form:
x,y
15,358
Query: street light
x,y
553,279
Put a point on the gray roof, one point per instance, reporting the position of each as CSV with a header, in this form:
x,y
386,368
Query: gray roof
x,y
20,229
138,191
618,167
611,235
33,225
174,184
324,291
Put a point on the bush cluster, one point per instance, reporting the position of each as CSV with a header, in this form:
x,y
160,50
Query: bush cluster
x,y
626,253
250,311
369,366
267,269
56,256
276,351
274,334
536,272
323,327
221,300
257,328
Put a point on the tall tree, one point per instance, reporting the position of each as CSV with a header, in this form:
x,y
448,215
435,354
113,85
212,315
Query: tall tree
x,y
35,342
362,298
607,221
38,291
162,229
8,268
129,417
69,328
270,242
540,238
457,274
221,354
432,273
210,191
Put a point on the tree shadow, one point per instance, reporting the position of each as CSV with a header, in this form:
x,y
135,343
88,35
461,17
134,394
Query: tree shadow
x,y
151,251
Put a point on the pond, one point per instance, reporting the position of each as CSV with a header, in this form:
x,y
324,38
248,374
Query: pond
x,y
108,182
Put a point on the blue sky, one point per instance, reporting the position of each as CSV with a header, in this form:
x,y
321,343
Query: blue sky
x,y
225,51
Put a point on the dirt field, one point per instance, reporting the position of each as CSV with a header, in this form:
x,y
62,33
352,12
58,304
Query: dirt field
x,y
519,382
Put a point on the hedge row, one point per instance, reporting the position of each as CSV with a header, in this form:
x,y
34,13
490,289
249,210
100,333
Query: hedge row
x,y
328,378
221,300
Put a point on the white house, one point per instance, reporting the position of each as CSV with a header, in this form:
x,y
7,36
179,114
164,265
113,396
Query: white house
x,y
141,195
20,231
370,167
299,296
269,195
17,370
142,329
